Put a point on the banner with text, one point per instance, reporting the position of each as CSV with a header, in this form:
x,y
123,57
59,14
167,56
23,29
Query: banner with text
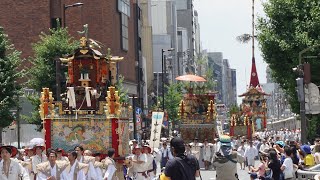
x,y
157,118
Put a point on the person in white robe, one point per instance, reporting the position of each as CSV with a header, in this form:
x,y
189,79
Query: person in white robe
x,y
149,166
110,164
139,160
91,175
10,169
60,156
52,169
75,170
206,151
38,158
98,166
195,148
28,159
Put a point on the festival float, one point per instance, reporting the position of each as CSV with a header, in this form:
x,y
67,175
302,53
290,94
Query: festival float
x,y
197,112
253,110
90,113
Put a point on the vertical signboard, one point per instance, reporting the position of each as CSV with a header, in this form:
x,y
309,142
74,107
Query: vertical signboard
x,y
157,118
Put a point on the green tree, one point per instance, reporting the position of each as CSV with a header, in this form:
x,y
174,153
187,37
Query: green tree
x,y
172,98
123,93
234,109
47,50
9,73
289,27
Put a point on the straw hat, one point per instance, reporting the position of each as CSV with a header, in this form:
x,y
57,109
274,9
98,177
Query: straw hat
x,y
11,149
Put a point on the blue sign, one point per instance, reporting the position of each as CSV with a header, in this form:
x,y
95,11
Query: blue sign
x,y
138,111
157,116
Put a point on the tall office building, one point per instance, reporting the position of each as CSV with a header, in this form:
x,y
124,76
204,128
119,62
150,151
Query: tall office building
x,y
164,32
147,49
185,19
225,78
234,96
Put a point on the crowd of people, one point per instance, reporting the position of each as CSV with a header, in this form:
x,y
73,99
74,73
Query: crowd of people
x,y
37,163
279,153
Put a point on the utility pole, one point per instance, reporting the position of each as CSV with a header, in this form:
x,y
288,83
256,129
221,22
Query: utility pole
x,y
301,94
18,122
58,83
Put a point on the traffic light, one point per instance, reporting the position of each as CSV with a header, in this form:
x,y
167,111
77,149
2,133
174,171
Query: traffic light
x,y
300,89
306,73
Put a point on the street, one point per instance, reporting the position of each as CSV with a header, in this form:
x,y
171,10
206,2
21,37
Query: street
x,y
211,174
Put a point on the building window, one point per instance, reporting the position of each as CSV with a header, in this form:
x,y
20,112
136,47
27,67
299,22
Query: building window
x,y
124,32
124,7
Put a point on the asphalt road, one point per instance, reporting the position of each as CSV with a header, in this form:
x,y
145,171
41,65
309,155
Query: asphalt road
x,y
211,174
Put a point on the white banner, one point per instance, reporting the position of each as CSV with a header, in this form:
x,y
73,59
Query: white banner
x,y
157,118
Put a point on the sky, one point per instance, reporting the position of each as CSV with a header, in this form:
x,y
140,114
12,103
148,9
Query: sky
x,y
221,21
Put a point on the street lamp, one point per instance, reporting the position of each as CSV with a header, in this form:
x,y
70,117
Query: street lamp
x,y
65,7
134,118
162,59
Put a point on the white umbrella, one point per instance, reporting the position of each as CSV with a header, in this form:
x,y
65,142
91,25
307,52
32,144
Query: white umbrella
x,y
37,141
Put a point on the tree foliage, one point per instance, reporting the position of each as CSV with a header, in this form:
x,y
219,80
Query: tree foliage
x,y
172,99
123,93
289,27
9,73
50,47
47,50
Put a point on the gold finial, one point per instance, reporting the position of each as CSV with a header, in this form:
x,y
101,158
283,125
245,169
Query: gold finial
x,y
83,42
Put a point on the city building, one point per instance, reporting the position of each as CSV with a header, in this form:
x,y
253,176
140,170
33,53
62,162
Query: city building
x,y
147,49
111,23
277,103
185,19
234,86
183,54
214,63
225,78
164,42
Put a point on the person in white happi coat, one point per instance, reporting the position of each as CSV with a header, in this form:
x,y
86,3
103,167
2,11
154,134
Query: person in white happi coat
x,y
28,159
150,166
52,169
264,146
195,148
75,170
38,158
29,153
10,169
60,156
138,161
241,159
206,151
250,153
91,175
98,166
110,164
133,145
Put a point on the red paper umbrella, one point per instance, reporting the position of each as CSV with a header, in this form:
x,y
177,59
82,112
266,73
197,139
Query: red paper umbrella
x,y
191,77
